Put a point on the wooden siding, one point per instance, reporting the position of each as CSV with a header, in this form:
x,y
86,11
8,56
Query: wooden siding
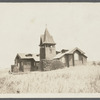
x,y
77,60
50,52
14,68
63,59
47,51
42,52
84,60
26,65
70,60
70,57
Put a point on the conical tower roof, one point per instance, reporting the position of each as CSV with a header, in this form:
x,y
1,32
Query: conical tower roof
x,y
46,38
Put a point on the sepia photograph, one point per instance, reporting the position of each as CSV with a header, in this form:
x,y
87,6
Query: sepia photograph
x,y
49,48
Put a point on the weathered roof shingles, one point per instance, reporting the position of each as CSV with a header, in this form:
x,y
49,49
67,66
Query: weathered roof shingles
x,y
46,38
71,51
28,56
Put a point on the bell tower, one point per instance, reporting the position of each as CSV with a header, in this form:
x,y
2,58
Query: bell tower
x,y
47,46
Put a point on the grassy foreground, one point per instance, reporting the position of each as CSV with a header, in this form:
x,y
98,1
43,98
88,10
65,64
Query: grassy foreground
x,y
80,79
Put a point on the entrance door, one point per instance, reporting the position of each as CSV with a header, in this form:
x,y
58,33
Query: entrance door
x,y
77,59
27,67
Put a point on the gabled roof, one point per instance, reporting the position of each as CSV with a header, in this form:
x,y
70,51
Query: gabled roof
x,y
28,56
59,55
71,51
46,38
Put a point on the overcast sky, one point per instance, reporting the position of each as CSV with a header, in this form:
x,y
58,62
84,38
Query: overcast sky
x,y
70,24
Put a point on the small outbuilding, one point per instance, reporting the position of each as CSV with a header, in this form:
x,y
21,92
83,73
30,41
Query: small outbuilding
x,y
26,62
72,57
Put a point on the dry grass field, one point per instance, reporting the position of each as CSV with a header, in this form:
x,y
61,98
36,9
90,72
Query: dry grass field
x,y
78,79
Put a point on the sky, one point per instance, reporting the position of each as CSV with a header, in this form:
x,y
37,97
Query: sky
x,y
70,24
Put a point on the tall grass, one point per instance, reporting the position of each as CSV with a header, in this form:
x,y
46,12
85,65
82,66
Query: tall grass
x,y
78,79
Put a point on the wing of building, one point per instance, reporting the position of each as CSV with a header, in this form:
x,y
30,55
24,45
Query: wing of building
x,y
26,62
72,57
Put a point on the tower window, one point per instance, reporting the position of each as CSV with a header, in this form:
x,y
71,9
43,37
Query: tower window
x,y
51,46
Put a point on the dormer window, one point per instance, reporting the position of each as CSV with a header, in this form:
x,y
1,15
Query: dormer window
x,y
27,55
64,50
38,55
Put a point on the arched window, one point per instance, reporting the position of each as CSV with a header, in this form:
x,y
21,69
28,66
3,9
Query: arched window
x,y
76,56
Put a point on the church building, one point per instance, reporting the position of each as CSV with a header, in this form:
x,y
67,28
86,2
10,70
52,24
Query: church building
x,y
31,62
